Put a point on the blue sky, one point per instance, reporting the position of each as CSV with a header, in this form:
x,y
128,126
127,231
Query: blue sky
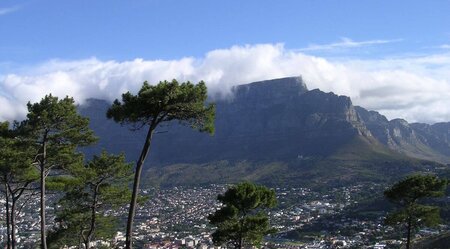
x,y
336,45
167,29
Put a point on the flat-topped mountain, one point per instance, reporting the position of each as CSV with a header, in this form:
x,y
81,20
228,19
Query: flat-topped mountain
x,y
270,90
278,129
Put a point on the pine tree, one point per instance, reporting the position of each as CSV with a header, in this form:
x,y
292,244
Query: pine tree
x,y
98,187
407,195
243,220
56,129
153,106
16,176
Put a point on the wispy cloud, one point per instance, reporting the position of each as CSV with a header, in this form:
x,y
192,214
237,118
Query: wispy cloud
x,y
346,43
444,46
4,11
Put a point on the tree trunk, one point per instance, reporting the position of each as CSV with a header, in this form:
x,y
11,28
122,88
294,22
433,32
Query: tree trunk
x,y
408,236
42,211
137,178
13,224
42,194
8,219
81,239
15,196
241,236
93,217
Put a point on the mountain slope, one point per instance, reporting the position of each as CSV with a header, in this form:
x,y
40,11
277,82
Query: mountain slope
x,y
357,161
277,119
430,142
277,131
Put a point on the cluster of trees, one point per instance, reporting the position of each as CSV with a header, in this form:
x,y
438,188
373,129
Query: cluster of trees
x,y
41,154
33,149
242,222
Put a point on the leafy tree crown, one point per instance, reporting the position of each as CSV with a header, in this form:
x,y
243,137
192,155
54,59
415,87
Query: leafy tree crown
x,y
414,188
165,102
60,121
242,220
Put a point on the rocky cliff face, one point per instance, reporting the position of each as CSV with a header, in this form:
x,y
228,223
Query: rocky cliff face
x,y
281,119
273,120
436,136
418,140
269,91
269,120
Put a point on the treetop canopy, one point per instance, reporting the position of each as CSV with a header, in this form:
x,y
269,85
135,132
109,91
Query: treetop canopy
x,y
164,102
415,187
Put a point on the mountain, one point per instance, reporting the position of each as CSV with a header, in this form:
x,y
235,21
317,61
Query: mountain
x,y
431,142
278,131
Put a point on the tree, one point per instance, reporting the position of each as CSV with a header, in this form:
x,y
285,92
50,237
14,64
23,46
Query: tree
x,y
99,186
154,105
16,176
57,130
407,195
243,220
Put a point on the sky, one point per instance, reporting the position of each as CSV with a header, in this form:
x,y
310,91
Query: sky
x,y
388,56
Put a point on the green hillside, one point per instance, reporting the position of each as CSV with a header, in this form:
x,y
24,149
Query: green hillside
x,y
360,160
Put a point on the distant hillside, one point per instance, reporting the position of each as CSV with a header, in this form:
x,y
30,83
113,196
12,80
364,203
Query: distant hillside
x,y
431,142
278,131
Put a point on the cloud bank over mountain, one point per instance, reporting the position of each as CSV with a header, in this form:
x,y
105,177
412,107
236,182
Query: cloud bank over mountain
x,y
416,88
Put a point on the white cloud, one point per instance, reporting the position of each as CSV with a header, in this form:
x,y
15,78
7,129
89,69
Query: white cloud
x,y
445,46
4,11
346,43
413,88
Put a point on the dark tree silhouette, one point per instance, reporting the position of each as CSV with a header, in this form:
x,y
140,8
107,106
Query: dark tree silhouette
x,y
407,194
243,221
96,187
154,105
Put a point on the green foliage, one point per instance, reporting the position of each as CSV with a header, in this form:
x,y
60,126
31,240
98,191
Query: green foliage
x,y
165,102
61,182
16,174
15,156
243,220
154,105
414,188
98,186
407,194
71,234
60,119
266,173
422,215
55,123
56,130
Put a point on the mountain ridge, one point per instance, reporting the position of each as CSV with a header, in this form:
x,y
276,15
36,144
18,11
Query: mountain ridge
x,y
280,122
